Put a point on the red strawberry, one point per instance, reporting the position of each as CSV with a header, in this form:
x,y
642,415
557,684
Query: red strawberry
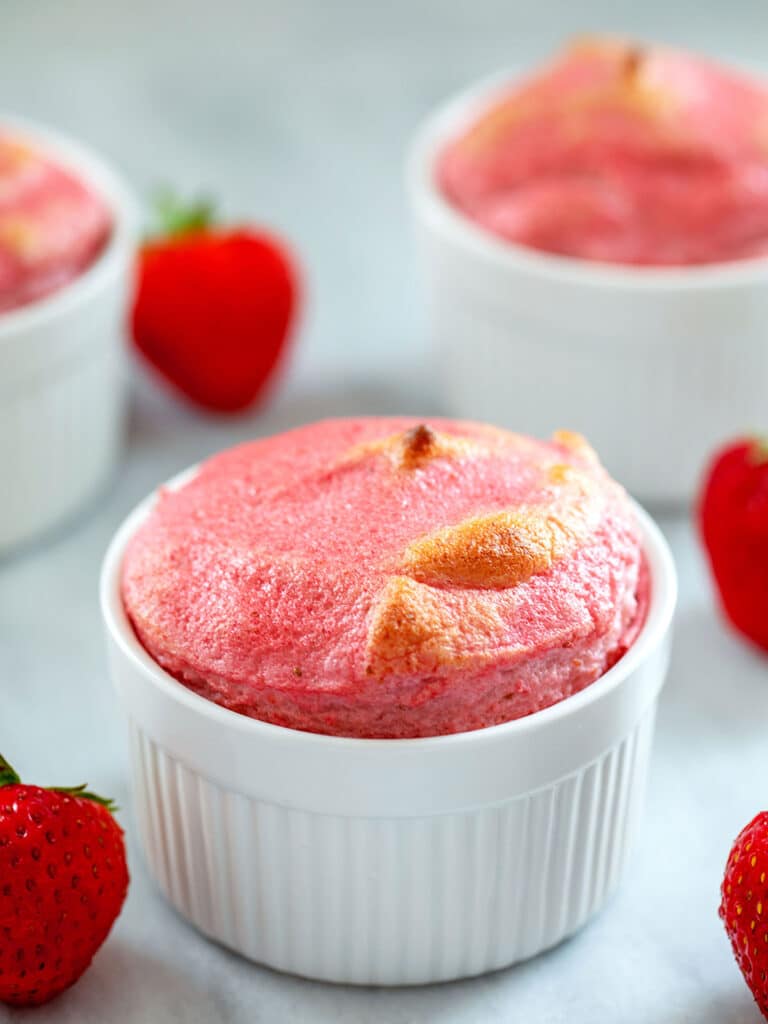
x,y
744,906
213,307
733,515
63,879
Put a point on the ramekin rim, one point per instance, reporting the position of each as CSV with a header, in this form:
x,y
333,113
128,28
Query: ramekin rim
x,y
445,122
98,173
660,612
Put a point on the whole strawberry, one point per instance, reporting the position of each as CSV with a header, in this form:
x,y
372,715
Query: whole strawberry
x,y
733,516
744,906
63,880
214,307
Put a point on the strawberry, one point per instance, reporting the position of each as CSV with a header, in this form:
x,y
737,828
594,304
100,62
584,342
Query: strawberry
x,y
733,517
63,879
744,906
213,307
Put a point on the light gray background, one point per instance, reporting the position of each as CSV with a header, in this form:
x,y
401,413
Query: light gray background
x,y
296,114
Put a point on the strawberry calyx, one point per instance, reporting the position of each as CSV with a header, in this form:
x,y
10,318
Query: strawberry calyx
x,y
174,217
758,450
83,792
10,777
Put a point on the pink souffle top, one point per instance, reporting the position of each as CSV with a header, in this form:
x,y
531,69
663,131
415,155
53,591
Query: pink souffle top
x,y
389,577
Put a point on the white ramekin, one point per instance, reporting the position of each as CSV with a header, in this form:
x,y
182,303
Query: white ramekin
x,y
389,862
61,389
656,366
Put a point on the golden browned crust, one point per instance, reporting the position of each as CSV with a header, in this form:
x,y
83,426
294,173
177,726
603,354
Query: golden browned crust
x,y
415,447
630,90
414,629
504,548
419,620
19,234
498,550
632,62
418,445
560,473
576,443
603,45
16,153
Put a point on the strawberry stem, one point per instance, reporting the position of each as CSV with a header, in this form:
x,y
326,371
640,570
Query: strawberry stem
x,y
759,450
84,793
8,777
175,217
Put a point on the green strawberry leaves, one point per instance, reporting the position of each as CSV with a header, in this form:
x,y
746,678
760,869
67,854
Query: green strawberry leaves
x,y
10,777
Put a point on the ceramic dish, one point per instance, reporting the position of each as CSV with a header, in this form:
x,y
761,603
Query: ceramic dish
x,y
654,366
61,384
389,861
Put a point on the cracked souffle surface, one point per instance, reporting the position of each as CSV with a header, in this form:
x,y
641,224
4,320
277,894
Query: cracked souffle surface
x,y
389,577
620,153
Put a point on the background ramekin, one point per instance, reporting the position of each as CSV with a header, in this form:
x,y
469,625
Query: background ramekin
x,y
389,861
656,366
61,387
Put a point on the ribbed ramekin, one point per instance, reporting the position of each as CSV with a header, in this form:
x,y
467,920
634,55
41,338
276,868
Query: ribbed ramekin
x,y
389,862
61,382
655,365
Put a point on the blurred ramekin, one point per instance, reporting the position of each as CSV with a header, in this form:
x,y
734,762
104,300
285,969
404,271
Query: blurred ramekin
x,y
656,366
389,862
61,387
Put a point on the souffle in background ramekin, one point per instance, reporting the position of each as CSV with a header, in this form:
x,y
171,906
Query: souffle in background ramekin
x,y
623,153
53,223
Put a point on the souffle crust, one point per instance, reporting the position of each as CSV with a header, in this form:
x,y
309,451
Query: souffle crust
x,y
389,577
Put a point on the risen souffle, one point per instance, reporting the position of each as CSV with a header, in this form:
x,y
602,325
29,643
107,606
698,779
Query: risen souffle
x,y
388,577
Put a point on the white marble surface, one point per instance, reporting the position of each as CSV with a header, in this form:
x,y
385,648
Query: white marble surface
x,y
295,113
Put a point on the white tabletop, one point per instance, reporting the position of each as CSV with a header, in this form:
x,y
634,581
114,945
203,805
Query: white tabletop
x,y
658,953
295,113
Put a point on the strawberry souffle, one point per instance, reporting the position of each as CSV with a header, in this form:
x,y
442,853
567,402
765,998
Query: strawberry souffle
x,y
620,153
52,224
389,578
